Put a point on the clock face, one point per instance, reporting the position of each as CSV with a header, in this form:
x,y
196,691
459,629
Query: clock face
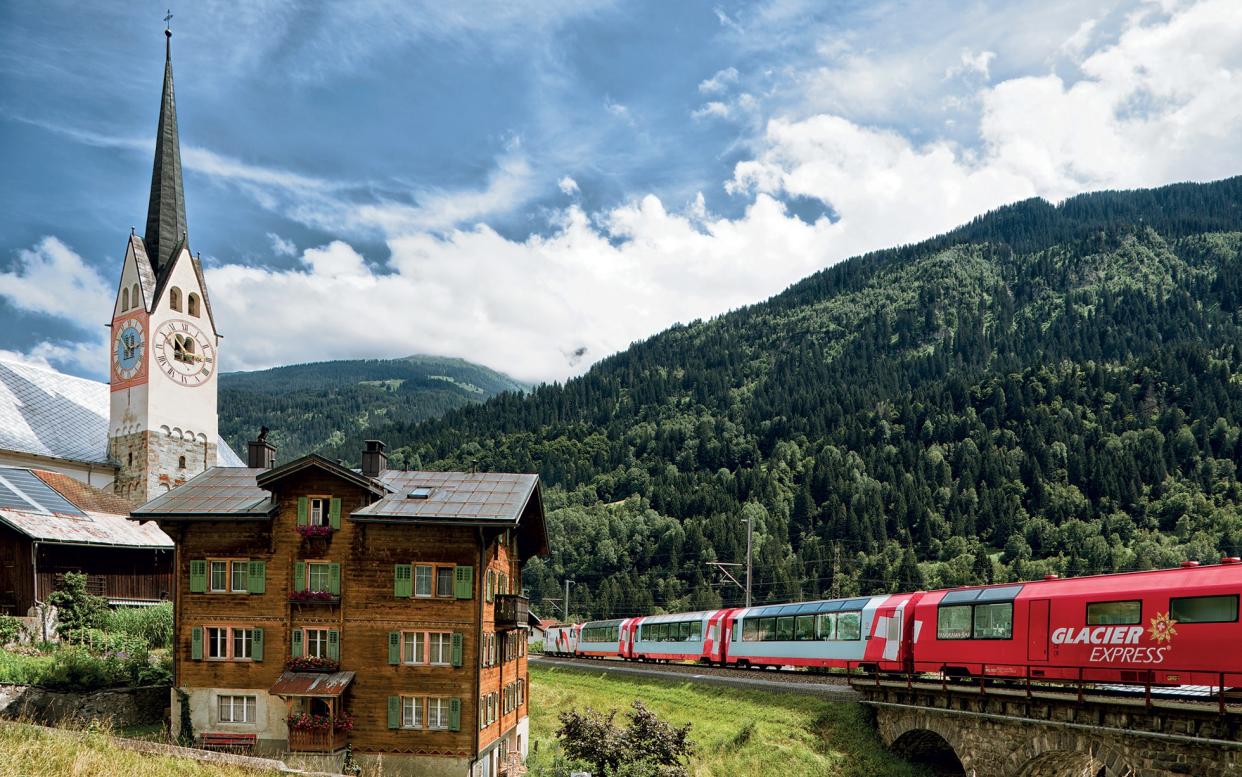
x,y
184,353
128,347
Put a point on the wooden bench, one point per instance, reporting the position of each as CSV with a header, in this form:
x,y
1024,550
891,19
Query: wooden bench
x,y
227,743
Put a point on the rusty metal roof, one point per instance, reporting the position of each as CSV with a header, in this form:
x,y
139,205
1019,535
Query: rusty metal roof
x,y
266,477
49,507
220,491
459,497
312,684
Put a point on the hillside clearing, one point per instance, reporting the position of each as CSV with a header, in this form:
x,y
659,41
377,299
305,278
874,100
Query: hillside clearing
x,y
736,732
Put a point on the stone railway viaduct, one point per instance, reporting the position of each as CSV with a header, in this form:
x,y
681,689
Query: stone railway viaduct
x,y
1008,733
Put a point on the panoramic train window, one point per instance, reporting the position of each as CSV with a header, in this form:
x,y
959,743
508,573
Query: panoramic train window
x,y
826,626
994,621
804,627
1114,613
849,626
1204,609
953,622
785,628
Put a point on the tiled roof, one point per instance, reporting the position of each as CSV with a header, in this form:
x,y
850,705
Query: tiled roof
x,y
222,491
482,497
50,507
48,413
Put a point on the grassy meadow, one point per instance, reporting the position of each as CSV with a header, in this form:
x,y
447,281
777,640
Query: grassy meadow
x,y
30,751
736,732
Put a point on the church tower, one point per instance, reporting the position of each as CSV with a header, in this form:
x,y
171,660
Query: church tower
x,y
163,424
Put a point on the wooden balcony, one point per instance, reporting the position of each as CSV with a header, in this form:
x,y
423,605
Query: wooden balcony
x,y
319,741
512,611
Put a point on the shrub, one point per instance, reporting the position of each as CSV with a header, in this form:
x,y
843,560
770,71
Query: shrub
x,y
153,624
77,609
11,630
647,746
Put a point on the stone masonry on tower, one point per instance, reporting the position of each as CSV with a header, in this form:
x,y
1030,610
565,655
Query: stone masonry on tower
x,y
162,428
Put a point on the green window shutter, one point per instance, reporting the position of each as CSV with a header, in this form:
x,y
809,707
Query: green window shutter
x,y
198,577
394,647
394,712
464,579
295,645
454,714
403,580
256,577
299,576
256,646
490,585
334,645
303,508
456,655
334,514
334,579
196,643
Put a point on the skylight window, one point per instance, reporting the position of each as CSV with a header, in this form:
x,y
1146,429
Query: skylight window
x,y
422,492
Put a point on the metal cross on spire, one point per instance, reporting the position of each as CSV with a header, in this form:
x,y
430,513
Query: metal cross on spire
x,y
168,20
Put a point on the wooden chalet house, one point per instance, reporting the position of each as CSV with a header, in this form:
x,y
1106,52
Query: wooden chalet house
x,y
319,606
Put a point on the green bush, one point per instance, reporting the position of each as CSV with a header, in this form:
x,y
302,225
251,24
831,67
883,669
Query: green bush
x,y
11,630
153,624
18,669
75,608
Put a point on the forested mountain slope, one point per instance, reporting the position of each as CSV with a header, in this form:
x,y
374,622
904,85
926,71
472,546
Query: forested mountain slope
x,y
1044,389
330,407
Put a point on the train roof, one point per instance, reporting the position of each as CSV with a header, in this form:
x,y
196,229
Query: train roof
x,y
1105,584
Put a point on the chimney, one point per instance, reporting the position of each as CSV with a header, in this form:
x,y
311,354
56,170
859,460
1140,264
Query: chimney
x,y
260,454
374,460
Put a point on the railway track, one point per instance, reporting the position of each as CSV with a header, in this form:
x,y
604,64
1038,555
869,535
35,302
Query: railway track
x,y
832,686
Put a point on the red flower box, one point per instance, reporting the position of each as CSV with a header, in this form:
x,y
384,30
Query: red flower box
x,y
314,531
311,664
312,596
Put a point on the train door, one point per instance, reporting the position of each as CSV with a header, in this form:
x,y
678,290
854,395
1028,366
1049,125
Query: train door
x,y
1037,630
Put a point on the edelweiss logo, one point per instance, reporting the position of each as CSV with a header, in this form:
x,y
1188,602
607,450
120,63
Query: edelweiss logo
x,y
1162,628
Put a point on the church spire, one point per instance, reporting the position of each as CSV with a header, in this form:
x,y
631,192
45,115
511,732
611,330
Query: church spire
x,y
166,226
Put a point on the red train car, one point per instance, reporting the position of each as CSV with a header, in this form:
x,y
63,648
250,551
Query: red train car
x,y
1167,627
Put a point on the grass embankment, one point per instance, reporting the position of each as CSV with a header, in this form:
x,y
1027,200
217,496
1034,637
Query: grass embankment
x,y
30,751
736,732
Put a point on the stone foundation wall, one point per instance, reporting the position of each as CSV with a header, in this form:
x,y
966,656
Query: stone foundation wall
x,y
121,706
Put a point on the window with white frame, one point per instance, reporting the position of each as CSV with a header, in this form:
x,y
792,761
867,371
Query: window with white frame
x,y
238,576
219,576
243,643
444,581
218,642
237,709
439,647
318,576
423,574
315,642
414,647
318,510
411,712
437,713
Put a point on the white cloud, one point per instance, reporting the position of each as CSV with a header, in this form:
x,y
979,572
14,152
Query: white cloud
x,y
972,64
50,278
281,246
719,82
568,186
712,110
620,110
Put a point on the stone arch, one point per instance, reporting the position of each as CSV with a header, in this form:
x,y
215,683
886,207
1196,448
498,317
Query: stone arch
x,y
931,749
1066,754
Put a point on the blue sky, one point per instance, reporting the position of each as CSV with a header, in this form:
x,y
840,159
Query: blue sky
x,y
535,185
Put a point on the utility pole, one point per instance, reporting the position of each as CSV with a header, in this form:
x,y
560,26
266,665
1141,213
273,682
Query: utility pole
x,y
723,566
568,582
750,530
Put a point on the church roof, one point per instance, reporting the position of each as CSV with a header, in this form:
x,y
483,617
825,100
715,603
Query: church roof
x,y
166,224
47,413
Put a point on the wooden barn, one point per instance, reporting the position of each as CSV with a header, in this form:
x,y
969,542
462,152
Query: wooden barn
x,y
51,524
